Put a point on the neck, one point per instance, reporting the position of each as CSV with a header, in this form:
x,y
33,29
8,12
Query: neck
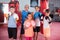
x,y
37,11
12,13
29,20
46,15
26,10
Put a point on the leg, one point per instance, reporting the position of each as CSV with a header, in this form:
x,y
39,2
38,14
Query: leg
x,y
30,38
35,35
38,30
14,31
47,33
27,38
10,38
46,38
22,32
18,33
10,33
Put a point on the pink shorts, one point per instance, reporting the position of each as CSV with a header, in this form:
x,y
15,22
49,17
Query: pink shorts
x,y
28,38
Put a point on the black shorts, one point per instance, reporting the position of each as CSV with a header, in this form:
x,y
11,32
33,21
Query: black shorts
x,y
12,32
22,29
37,29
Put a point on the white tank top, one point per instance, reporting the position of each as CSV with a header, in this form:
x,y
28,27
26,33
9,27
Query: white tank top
x,y
37,22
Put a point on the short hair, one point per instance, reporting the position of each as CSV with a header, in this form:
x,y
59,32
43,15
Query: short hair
x,y
30,13
47,10
26,5
37,6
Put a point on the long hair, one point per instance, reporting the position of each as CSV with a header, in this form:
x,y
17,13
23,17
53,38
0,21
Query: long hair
x,y
30,13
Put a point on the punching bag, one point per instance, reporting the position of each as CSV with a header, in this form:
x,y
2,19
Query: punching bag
x,y
1,13
43,5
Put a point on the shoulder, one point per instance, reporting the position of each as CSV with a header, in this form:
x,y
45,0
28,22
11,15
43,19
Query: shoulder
x,y
38,12
26,21
23,10
15,14
35,13
9,13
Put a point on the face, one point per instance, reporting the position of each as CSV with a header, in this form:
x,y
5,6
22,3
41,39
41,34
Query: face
x,y
13,0
12,10
47,14
37,8
26,7
29,16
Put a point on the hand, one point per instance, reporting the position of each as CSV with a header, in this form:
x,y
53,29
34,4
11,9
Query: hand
x,y
41,21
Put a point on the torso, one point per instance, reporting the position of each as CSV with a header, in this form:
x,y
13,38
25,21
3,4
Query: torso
x,y
37,18
46,23
12,21
29,32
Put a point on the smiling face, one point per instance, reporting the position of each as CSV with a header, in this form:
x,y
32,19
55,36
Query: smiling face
x,y
12,10
37,8
47,12
26,7
29,16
